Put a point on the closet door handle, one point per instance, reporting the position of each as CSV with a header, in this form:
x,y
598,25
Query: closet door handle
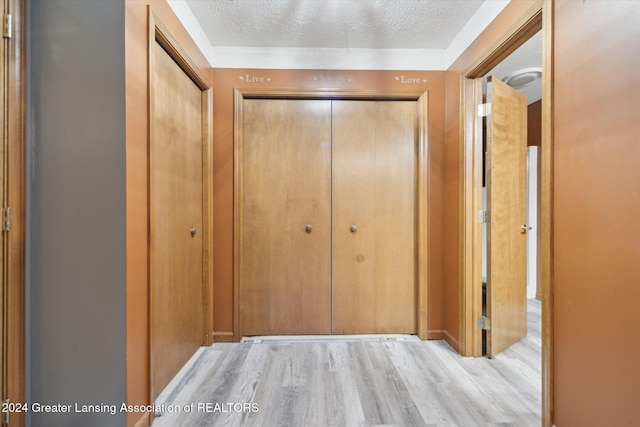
x,y
308,229
353,229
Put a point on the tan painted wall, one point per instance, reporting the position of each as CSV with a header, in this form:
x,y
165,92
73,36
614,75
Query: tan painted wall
x,y
596,213
138,184
224,80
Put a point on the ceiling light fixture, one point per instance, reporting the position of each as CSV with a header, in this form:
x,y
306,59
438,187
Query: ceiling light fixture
x,y
524,77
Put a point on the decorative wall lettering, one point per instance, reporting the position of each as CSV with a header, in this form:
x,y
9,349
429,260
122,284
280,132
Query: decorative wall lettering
x,y
410,80
252,78
332,80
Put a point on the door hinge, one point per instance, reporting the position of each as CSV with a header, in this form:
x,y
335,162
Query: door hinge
x,y
484,217
6,219
7,26
5,414
484,323
484,109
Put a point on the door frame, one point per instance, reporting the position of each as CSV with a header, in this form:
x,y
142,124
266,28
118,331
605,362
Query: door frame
x,y
14,143
537,18
159,33
422,183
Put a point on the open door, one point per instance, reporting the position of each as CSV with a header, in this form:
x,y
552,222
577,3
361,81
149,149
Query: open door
x,y
507,206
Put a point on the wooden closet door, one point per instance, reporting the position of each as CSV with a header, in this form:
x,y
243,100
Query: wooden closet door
x,y
285,267
176,219
374,190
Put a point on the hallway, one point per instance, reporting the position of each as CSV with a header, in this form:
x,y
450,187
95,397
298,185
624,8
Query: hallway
x,y
403,382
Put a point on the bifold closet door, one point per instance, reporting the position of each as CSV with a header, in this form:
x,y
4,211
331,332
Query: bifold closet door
x,y
374,205
285,241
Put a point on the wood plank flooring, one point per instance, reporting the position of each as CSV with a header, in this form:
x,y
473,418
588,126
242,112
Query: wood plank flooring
x,y
357,383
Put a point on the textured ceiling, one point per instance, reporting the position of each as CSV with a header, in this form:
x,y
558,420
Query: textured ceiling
x,y
349,25
381,24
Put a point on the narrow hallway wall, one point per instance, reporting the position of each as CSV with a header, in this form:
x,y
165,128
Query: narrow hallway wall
x,y
76,252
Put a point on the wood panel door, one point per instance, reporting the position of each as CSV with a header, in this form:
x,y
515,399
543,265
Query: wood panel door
x,y
285,220
507,204
176,208
374,217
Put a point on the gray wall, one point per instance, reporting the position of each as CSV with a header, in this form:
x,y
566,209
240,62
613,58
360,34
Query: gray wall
x,y
76,218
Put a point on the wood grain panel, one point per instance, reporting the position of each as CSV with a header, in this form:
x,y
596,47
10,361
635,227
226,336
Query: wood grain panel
x,y
176,268
285,272
506,201
374,189
14,78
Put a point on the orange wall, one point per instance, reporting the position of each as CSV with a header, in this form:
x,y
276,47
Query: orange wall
x,y
596,214
138,185
224,80
534,123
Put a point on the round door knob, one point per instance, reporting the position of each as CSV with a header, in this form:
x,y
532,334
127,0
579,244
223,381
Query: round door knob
x,y
308,228
353,229
192,231
524,228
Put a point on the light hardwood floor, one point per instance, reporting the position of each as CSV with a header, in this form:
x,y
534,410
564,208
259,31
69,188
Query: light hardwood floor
x,y
358,383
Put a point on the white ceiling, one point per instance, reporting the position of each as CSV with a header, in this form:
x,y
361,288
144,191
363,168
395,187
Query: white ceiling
x,y
371,24
335,34
348,34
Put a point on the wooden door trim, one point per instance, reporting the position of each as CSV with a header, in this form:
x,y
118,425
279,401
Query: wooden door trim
x,y
538,17
422,159
370,95
159,33
14,242
422,217
519,32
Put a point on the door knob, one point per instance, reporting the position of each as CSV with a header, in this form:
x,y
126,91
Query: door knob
x,y
192,231
353,229
308,228
524,228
